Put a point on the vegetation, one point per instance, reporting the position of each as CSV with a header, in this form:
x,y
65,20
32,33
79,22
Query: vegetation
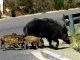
x,y
58,4
75,40
34,6
12,6
28,6
69,4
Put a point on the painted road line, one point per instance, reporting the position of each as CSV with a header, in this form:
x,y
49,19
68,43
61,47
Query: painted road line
x,y
38,55
55,55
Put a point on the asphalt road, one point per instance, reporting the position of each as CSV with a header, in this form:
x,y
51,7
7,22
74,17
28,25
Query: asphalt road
x,y
30,54
17,55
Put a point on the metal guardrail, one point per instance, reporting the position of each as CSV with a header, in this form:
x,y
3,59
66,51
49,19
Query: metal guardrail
x,y
72,19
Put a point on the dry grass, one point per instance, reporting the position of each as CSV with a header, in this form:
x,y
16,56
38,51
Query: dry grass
x,y
75,40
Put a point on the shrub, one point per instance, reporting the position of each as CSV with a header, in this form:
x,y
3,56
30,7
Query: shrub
x,y
66,6
12,6
75,40
69,4
13,12
78,4
58,4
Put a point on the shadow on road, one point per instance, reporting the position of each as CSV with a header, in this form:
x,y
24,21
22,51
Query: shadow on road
x,y
63,48
30,47
57,48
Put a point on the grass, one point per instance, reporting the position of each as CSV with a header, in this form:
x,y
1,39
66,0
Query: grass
x,y
75,41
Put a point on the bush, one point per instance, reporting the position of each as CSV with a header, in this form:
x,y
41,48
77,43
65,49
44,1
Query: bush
x,y
66,6
34,6
58,4
12,8
75,40
69,4
13,12
78,4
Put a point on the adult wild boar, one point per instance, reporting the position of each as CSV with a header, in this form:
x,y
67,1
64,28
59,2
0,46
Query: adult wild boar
x,y
47,28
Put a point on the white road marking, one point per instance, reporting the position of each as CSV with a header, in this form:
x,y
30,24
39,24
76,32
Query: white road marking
x,y
55,55
38,55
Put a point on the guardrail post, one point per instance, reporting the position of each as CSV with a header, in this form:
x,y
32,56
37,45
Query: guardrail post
x,y
72,28
0,13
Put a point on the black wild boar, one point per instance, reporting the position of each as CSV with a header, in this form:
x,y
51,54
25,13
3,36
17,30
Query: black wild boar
x,y
47,28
